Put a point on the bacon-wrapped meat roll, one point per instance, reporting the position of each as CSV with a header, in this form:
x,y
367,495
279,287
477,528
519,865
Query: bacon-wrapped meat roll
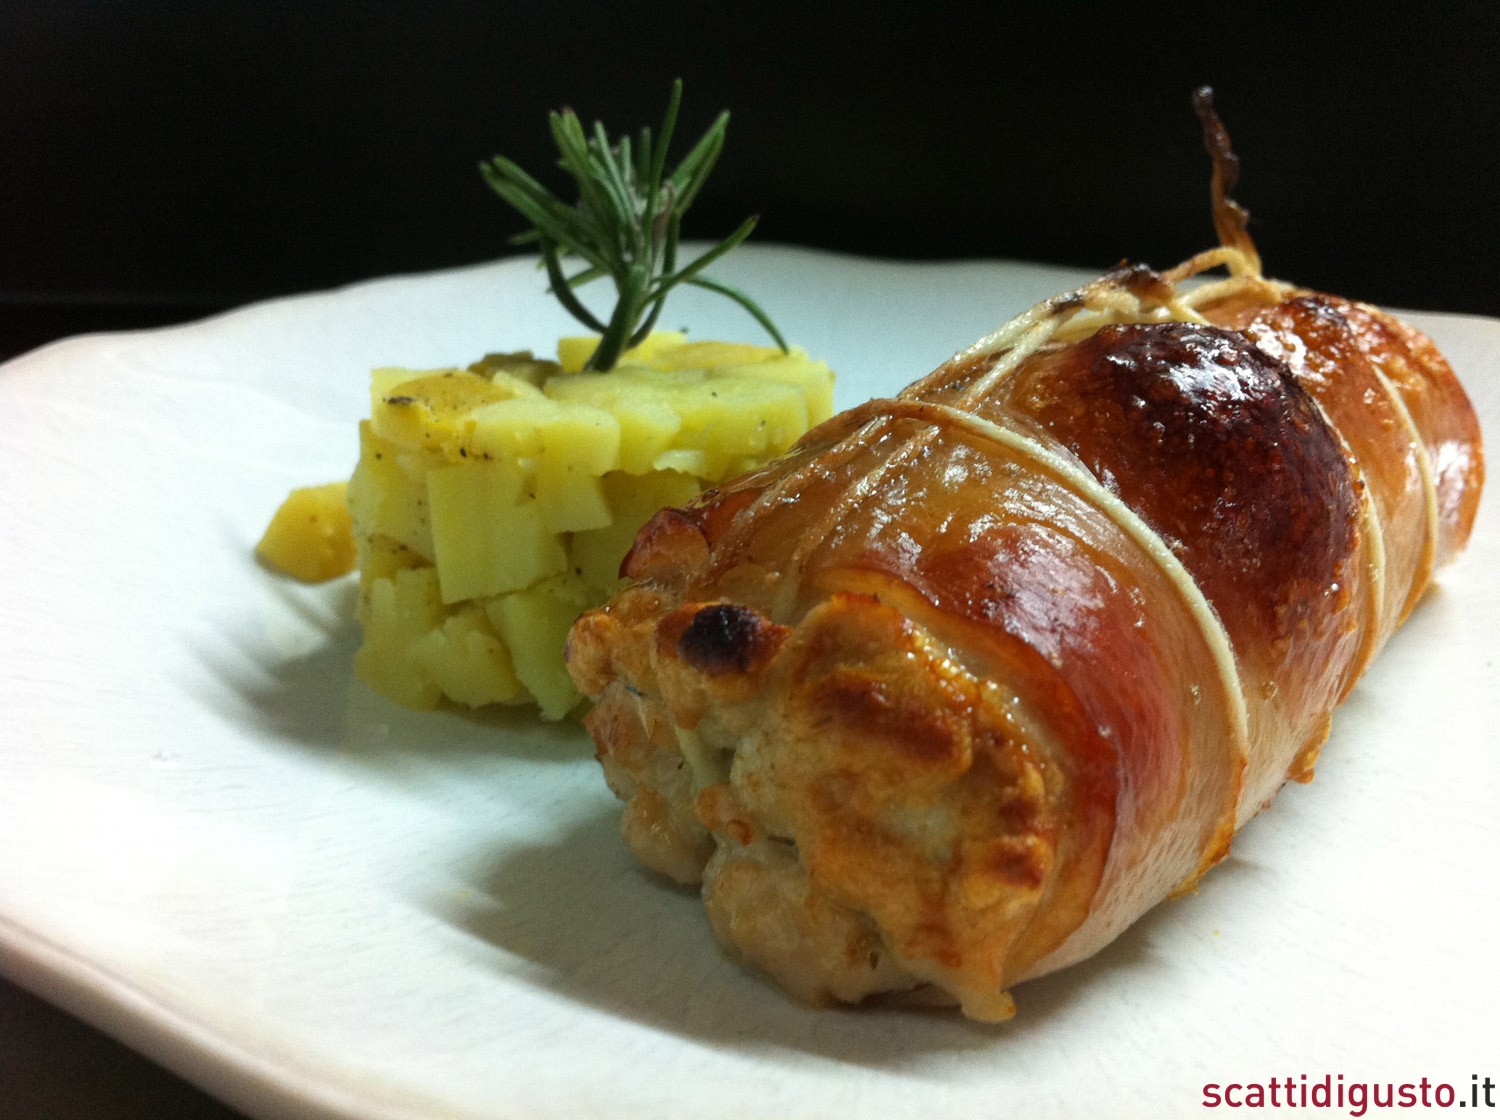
x,y
975,676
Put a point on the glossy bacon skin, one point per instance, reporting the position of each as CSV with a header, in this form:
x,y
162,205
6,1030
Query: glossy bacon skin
x,y
958,689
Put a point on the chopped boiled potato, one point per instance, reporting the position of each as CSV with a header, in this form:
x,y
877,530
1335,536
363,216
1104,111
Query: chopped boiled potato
x,y
814,379
488,536
381,557
311,537
726,418
708,355
437,411
682,461
648,422
468,661
539,428
493,505
537,621
568,499
633,500
398,612
573,353
722,416
388,492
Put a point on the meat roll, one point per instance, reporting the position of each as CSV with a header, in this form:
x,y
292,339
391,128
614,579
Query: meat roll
x,y
959,688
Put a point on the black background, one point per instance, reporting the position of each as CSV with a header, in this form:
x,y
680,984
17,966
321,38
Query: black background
x,y
161,160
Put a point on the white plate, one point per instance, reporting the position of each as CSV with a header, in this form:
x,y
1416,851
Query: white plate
x,y
221,848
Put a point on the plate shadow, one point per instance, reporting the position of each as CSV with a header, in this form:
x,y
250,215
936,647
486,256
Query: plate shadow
x,y
605,932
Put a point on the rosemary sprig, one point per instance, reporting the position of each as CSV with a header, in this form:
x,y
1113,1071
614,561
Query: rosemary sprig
x,y
626,224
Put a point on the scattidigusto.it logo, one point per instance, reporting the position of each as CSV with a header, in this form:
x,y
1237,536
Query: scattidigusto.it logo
x,y
1357,1097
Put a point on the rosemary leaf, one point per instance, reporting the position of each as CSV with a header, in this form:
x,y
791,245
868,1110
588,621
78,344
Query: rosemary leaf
x,y
625,225
744,301
564,291
709,257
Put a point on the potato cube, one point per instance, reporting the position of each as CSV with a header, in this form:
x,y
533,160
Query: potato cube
x,y
732,418
569,498
535,625
489,537
436,411
467,660
388,492
706,355
573,353
383,383
648,424
633,500
532,428
815,379
311,537
399,613
381,557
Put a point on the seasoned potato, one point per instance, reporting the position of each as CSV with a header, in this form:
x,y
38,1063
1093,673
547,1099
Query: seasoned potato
x,y
535,624
398,612
595,555
467,660
388,492
488,534
311,537
493,505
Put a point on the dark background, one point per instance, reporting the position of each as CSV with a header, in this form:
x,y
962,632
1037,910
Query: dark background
x,y
161,160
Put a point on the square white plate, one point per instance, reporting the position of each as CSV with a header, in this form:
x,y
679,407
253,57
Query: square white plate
x,y
217,845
